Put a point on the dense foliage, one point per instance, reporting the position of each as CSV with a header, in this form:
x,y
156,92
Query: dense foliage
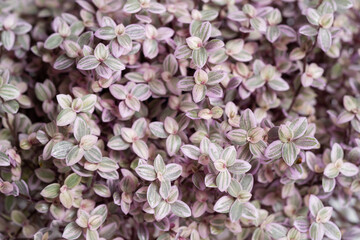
x,y
180,119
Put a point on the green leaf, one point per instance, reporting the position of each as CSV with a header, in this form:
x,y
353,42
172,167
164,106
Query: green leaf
x,y
125,41
332,231
173,171
93,155
273,151
61,149
152,195
89,102
51,191
117,143
65,117
66,199
191,151
141,149
289,153
180,209
146,172
316,231
315,205
8,39
224,204
235,211
173,143
162,210
223,180
114,64
105,33
9,92
4,160
102,190
53,41
204,31
72,231
308,30
307,143
324,39
88,63
199,57
132,6
72,180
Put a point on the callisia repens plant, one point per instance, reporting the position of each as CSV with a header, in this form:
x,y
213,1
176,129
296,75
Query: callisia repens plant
x,y
180,119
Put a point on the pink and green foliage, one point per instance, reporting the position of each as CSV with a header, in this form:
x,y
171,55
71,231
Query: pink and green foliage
x,y
179,119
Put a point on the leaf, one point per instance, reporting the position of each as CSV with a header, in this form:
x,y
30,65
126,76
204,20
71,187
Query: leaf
x,y
180,209
72,180
307,143
150,48
276,230
204,31
9,92
299,126
114,64
289,153
118,91
146,172
74,155
337,153
92,235
249,211
152,195
159,164
162,210
183,52
72,231
102,190
173,171
324,214
51,191
173,143
223,180
349,169
135,31
308,30
198,92
313,16
191,151
89,102
237,136
344,4
88,63
156,8
278,84
80,129
258,24
157,128
239,167
4,160
324,39
224,204
61,149
332,231
105,33
199,57
141,149
235,211
316,231
93,155
315,205
22,28
328,184
53,41
66,199
132,6
331,171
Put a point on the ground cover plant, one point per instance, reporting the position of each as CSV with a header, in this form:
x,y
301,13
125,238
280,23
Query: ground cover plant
x,y
180,119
